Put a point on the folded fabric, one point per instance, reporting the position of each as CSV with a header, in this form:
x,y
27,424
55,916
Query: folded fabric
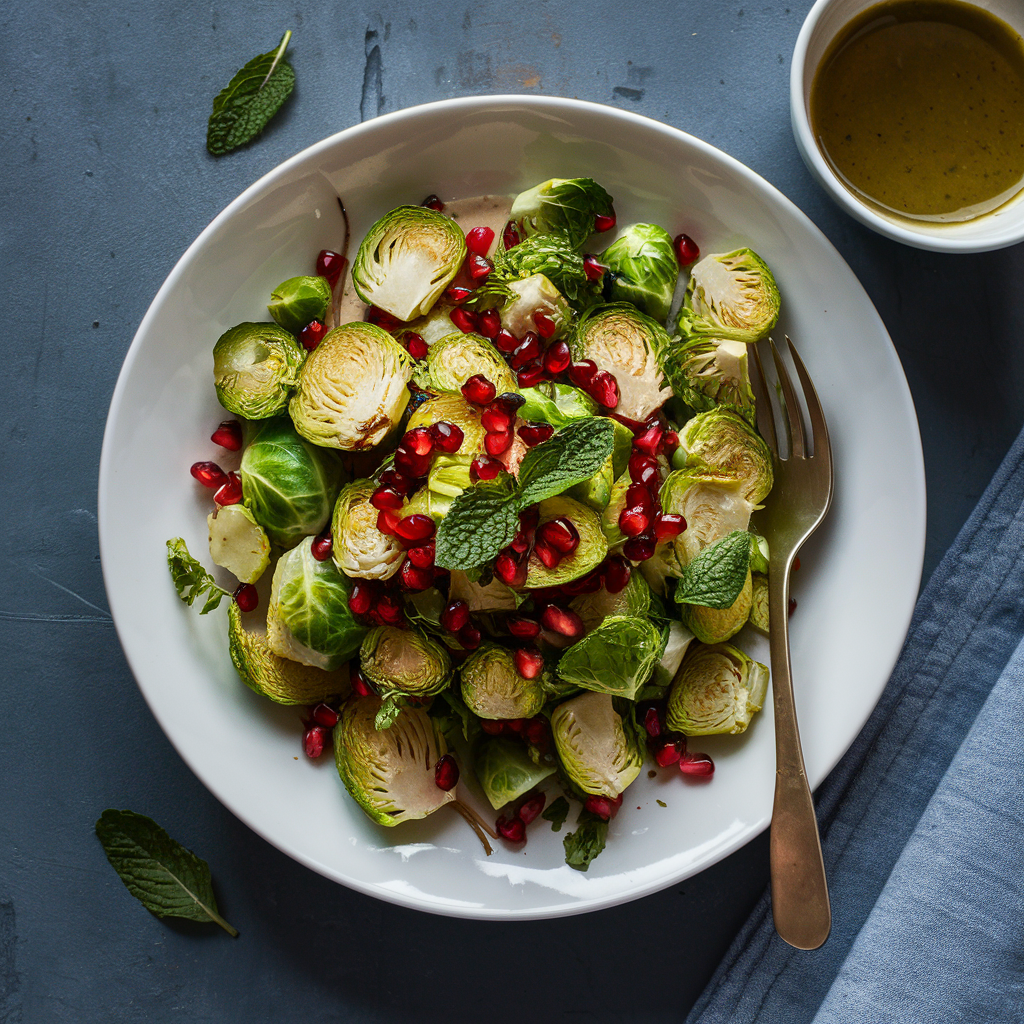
x,y
909,901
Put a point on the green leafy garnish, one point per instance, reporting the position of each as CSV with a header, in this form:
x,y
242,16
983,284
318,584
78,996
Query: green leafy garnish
x,y
554,256
388,713
160,873
573,455
556,813
191,580
583,845
481,521
242,110
716,576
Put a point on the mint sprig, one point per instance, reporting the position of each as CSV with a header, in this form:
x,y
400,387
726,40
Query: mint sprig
x,y
556,813
242,109
191,580
716,576
583,845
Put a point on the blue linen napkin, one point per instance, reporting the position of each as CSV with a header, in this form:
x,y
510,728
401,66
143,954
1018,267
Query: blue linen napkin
x,y
922,822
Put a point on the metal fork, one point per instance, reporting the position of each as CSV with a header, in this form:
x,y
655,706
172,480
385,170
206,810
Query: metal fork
x,y
800,498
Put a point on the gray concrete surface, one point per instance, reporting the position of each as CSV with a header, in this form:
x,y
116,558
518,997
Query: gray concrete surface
x,y
106,181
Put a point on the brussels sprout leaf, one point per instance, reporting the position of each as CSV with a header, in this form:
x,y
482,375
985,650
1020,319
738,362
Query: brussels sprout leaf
x,y
716,576
389,711
166,878
583,845
557,813
191,580
573,455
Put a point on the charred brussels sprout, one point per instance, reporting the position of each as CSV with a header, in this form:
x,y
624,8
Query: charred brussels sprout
x,y
389,773
289,484
588,555
255,367
506,771
352,388
407,259
596,751
642,269
454,359
238,543
616,657
360,549
567,205
492,688
299,301
718,689
405,662
708,372
722,441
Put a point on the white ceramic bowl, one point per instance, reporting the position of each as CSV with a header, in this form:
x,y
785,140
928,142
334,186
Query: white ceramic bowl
x,y
825,21
856,589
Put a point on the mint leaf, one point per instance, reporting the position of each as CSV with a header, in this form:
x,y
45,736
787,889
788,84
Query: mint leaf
x,y
387,713
573,455
557,813
191,580
166,878
242,110
479,524
583,845
716,576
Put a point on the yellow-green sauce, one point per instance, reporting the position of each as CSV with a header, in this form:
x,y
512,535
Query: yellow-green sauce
x,y
918,106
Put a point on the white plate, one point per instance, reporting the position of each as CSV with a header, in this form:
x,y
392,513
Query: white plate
x,y
856,589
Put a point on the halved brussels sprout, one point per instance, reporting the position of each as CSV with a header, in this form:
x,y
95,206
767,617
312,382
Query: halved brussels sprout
x,y
494,597
759,553
710,372
722,441
633,599
716,625
453,408
281,679
404,661
407,259
237,542
308,617
556,404
352,388
616,657
718,689
677,643
255,367
626,343
713,505
554,256
730,295
642,269
298,301
597,753
569,205
759,602
449,476
389,773
506,771
289,484
518,303
591,551
359,548
454,359
492,688
432,327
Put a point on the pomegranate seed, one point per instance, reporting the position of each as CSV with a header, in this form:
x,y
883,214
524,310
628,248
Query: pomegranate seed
x,y
209,474
668,525
513,829
422,556
548,556
479,240
463,319
546,327
583,372
416,527
603,806
649,441
516,725
593,269
498,443
479,267
446,773
246,597
479,390
433,202
562,620
419,441
588,584
529,662
448,437
669,442
496,420
536,433
529,809
311,335
383,319
634,425
526,351
616,574
510,237
387,521
396,481
557,357
313,741
652,721
638,496
520,543
536,731
687,250
792,607
529,518
510,401
227,435
417,347
604,222
455,616
415,578
505,341
488,323
325,715
523,628
492,727
510,569
457,294
639,549
322,547
632,522
560,534
230,492
667,753
483,467
409,463
697,764
470,637
386,499
331,265
389,608
643,469
532,373
604,389
360,599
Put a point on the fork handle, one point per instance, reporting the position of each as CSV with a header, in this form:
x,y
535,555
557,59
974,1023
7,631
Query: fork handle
x,y
800,903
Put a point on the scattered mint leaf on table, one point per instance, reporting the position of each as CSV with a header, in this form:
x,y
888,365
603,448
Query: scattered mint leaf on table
x,y
191,580
716,576
241,110
160,873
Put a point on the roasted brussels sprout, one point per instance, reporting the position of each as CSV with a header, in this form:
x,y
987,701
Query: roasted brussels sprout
x,y
352,388
237,542
289,484
633,599
390,772
299,301
494,597
591,550
407,259
360,549
506,771
568,205
759,602
437,324
718,689
677,643
556,404
642,269
454,359
597,753
709,372
492,688
519,302
616,657
453,408
713,504
730,295
308,618
405,662
554,256
627,343
722,441
716,625
255,367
